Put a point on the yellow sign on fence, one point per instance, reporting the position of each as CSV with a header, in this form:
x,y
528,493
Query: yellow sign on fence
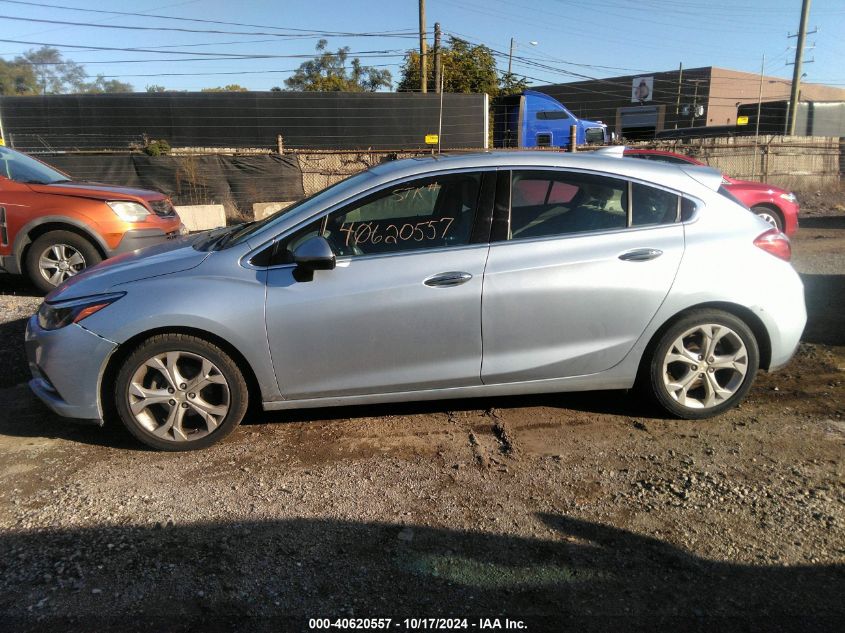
x,y
431,139
742,120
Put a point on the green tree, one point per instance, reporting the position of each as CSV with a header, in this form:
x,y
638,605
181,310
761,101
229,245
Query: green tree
x,y
328,72
467,68
155,88
102,85
56,75
17,78
229,88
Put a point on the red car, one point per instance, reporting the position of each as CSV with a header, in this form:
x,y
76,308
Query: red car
x,y
776,206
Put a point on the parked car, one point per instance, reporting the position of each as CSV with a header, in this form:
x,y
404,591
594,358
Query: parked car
x,y
425,279
52,227
776,206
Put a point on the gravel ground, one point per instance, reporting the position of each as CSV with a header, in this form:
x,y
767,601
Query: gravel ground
x,y
573,512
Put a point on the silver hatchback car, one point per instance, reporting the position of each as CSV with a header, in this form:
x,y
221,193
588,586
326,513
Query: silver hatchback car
x,y
426,279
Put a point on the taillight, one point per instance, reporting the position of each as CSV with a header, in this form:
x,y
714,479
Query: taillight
x,y
775,243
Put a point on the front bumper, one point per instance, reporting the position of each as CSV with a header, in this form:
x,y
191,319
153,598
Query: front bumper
x,y
66,366
141,238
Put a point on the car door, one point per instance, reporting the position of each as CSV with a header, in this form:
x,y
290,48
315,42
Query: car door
x,y
575,272
401,309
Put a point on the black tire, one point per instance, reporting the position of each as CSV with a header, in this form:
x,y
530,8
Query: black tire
x,y
45,243
691,403
771,216
196,429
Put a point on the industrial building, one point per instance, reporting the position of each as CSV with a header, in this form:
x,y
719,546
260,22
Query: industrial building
x,y
639,106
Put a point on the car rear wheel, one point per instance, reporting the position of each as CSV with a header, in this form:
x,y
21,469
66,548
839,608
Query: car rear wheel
x,y
179,393
57,256
769,215
703,364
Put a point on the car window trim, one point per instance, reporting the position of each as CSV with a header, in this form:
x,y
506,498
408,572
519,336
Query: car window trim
x,y
246,260
503,192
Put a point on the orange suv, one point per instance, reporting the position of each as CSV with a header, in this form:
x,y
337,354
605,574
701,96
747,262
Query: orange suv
x,y
52,227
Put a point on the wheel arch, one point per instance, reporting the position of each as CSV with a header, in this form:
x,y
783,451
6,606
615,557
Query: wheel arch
x,y
42,226
771,206
122,352
741,312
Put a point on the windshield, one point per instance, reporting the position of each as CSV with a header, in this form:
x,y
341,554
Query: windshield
x,y
21,168
242,232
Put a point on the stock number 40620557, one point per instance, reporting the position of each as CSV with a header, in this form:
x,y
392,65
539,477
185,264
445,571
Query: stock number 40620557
x,y
359,233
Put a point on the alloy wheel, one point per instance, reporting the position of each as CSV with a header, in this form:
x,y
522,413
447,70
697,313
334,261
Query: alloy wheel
x,y
60,261
705,366
179,396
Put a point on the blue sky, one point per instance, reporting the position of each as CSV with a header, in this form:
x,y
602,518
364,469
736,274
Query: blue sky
x,y
601,38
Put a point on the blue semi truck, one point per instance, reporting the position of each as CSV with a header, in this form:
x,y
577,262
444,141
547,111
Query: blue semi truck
x,y
534,119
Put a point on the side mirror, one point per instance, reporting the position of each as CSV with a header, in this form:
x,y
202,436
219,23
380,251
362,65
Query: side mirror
x,y
315,253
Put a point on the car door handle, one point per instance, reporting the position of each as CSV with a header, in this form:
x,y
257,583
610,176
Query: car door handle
x,y
447,280
641,255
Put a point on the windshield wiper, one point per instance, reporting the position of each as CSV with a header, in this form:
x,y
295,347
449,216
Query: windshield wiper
x,y
228,236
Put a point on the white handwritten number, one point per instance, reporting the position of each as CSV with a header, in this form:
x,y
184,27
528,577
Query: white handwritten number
x,y
359,234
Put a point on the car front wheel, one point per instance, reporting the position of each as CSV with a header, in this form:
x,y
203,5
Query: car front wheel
x,y
703,364
57,256
177,392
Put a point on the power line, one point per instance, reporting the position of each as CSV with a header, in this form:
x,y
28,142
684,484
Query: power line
x,y
377,53
200,20
311,34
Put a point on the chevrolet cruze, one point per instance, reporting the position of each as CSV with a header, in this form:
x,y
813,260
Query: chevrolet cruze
x,y
427,279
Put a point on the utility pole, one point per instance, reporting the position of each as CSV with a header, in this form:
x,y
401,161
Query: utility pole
x,y
510,58
678,99
696,83
438,70
796,72
423,65
759,105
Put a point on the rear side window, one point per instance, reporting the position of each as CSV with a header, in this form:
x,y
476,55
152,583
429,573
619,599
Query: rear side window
x,y
652,206
546,203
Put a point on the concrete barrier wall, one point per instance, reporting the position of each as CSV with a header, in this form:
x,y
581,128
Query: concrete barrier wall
x,y
201,217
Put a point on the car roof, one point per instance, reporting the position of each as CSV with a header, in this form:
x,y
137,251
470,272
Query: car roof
x,y
672,176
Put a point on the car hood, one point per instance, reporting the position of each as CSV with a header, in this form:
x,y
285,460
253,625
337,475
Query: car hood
x,y
96,191
162,259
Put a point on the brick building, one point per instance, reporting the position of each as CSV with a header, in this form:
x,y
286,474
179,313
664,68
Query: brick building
x,y
640,105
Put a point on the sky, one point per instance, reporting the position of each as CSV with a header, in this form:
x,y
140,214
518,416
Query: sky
x,y
556,40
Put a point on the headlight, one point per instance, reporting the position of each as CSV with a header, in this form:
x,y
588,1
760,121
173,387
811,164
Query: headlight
x,y
58,315
129,211
789,197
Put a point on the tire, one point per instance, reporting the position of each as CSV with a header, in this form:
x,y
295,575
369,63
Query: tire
x,y
177,392
770,215
680,376
59,255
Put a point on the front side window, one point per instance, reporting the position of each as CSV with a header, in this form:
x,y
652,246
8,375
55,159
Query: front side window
x,y
547,203
426,213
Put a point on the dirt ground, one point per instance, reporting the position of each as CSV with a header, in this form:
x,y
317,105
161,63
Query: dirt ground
x,y
572,512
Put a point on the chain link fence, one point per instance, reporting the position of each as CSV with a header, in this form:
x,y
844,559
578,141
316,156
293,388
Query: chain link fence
x,y
802,163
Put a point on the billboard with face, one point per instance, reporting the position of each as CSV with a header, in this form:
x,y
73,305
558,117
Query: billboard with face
x,y
642,89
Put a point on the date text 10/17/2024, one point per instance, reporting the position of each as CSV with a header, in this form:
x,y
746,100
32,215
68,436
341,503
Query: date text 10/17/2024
x,y
417,624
